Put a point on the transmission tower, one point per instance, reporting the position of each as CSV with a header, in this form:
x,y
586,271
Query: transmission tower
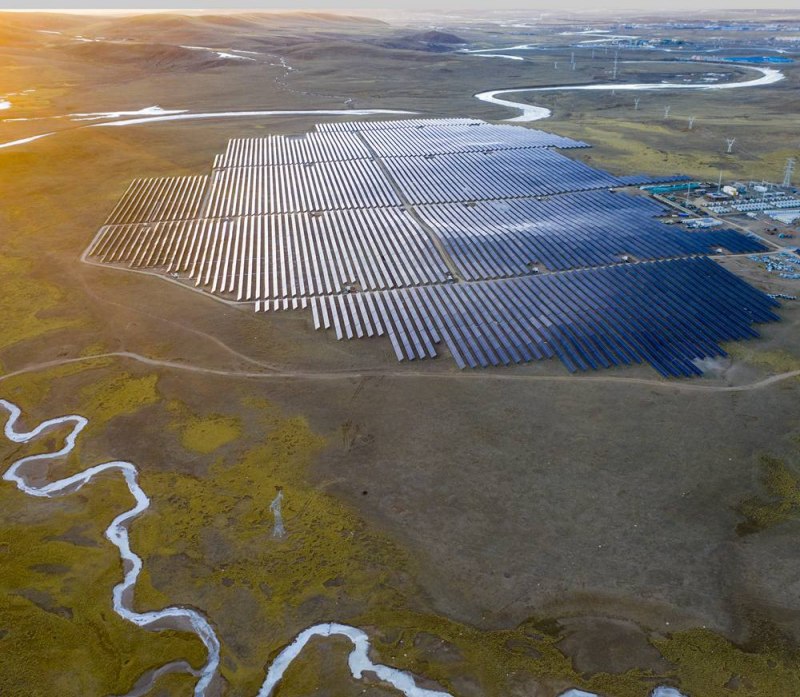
x,y
691,122
787,173
636,103
666,112
730,142
616,61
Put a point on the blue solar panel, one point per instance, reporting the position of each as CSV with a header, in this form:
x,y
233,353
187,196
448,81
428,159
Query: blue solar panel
x,y
669,314
494,239
454,234
496,175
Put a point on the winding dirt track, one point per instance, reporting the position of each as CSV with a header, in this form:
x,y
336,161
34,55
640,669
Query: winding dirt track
x,y
281,374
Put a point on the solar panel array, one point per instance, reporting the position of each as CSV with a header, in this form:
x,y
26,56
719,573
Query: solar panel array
x,y
164,198
280,150
496,175
361,126
282,256
316,186
492,239
666,313
442,140
444,232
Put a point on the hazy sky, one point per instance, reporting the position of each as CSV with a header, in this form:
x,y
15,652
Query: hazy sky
x,y
413,5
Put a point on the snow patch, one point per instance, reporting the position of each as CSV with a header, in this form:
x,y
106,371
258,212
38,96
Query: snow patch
x,y
499,55
221,54
147,111
22,141
229,114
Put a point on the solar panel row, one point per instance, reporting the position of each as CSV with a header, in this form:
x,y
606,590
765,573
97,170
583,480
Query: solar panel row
x,y
496,175
280,256
493,239
392,124
288,150
295,188
668,313
642,179
163,198
441,140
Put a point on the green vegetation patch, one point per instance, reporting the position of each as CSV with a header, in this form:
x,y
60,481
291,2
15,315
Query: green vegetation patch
x,y
783,488
332,565
59,633
31,390
777,361
496,660
204,433
710,666
24,302
117,394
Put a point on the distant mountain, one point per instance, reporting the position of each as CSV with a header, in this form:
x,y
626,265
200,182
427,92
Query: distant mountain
x,y
437,37
152,57
430,41
27,27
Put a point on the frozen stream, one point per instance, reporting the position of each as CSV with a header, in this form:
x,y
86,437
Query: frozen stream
x,y
180,618
155,114
271,112
530,112
184,618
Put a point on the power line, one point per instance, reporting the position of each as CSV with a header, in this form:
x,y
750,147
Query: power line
x,y
787,173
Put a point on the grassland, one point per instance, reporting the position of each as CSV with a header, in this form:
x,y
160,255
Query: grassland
x,y
488,535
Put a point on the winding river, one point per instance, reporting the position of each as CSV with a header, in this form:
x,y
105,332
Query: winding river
x,y
176,617
530,112
185,618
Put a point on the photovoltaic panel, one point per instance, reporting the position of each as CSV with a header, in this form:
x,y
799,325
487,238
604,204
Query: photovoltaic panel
x,y
440,140
445,233
283,256
316,186
395,123
495,175
289,150
163,198
493,239
669,314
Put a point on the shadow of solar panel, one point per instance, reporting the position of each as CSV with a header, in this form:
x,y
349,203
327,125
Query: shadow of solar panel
x,y
669,314
495,239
